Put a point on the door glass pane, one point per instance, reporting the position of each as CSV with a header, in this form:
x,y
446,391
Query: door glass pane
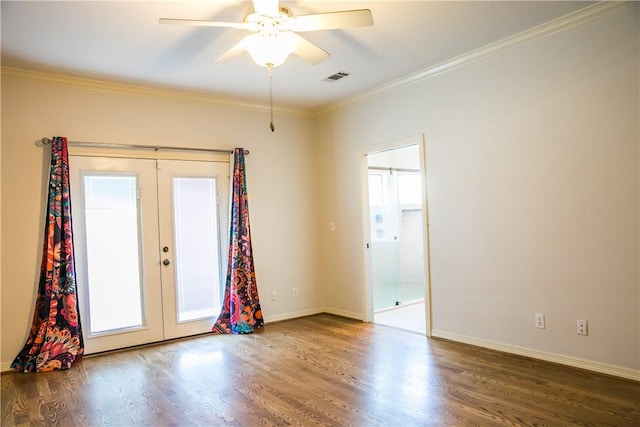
x,y
197,252
375,189
383,206
113,252
410,189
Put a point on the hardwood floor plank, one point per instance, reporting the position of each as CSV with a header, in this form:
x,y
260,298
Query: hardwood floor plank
x,y
317,371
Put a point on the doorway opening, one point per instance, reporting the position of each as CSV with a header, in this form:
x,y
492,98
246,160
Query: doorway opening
x,y
396,236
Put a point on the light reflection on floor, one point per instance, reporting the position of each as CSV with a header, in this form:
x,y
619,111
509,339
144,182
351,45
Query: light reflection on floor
x,y
410,317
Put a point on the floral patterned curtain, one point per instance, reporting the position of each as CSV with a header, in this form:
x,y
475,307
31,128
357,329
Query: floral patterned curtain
x,y
241,312
55,339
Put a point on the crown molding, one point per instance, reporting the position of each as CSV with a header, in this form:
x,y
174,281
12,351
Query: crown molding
x,y
130,89
536,33
560,24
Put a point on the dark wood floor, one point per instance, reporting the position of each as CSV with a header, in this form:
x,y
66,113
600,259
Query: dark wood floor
x,y
319,370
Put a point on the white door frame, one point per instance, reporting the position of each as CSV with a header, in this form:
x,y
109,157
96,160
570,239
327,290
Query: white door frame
x,y
155,327
144,171
167,170
366,228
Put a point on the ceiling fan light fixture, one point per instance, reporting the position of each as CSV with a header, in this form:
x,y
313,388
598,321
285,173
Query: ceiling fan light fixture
x,y
270,49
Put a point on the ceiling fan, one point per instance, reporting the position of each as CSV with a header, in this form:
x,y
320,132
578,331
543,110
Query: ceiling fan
x,y
274,32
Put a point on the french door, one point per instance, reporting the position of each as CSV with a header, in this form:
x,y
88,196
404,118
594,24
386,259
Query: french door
x,y
150,245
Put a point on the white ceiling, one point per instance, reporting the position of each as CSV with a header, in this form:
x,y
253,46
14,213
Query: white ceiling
x,y
121,41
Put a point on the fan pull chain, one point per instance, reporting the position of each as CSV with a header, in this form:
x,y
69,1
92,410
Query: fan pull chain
x,y
271,126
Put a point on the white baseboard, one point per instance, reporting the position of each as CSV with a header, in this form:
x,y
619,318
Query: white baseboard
x,y
292,315
575,362
311,312
342,313
493,345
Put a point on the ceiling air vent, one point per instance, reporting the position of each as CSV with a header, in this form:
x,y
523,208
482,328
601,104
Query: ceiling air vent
x,y
337,76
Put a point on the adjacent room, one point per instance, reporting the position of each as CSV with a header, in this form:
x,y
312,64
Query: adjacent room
x,y
320,213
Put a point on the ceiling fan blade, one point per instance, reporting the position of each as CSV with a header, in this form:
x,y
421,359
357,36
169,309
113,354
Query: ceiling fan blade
x,y
309,51
232,53
199,23
266,7
332,20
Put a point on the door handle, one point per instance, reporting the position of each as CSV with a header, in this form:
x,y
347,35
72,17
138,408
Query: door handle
x,y
166,261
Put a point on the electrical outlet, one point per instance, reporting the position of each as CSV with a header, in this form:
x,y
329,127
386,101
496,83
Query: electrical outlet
x,y
539,320
274,295
294,292
582,327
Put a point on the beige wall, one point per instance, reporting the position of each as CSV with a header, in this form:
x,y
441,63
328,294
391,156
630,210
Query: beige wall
x,y
533,188
280,173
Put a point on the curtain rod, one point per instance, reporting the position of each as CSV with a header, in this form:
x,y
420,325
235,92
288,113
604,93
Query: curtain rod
x,y
47,141
391,169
